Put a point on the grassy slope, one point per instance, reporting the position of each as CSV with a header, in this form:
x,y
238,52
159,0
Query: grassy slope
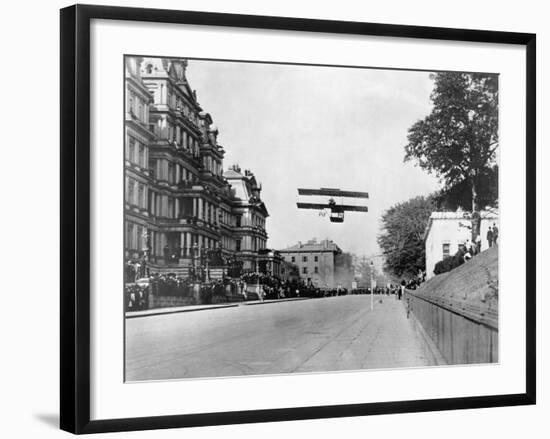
x,y
474,281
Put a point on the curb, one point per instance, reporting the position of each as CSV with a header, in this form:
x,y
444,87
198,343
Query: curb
x,y
291,299
160,311
176,311
432,349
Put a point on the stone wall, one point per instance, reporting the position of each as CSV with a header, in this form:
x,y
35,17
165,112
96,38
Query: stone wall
x,y
458,310
169,301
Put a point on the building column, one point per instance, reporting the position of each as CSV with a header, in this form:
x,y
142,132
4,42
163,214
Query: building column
x,y
188,241
200,204
152,237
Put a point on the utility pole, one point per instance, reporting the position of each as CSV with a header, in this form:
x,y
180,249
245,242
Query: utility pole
x,y
371,285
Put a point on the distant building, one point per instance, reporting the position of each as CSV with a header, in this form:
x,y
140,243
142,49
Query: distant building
x,y
447,230
319,263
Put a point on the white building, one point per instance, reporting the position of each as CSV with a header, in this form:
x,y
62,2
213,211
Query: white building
x,y
447,230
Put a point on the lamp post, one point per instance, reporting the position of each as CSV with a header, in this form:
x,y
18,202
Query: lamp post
x,y
193,260
207,273
371,285
196,286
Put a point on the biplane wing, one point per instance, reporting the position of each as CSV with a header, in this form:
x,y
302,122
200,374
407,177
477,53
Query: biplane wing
x,y
334,208
348,208
333,193
315,206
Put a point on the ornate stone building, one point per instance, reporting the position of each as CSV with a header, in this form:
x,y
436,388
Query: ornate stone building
x,y
250,215
137,180
180,207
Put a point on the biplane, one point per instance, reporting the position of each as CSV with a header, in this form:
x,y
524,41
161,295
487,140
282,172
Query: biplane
x,y
336,210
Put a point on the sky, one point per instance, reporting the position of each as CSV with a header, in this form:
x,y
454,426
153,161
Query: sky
x,y
312,127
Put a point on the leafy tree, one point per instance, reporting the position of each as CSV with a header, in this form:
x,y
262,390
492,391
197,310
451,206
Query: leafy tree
x,y
459,195
402,236
458,140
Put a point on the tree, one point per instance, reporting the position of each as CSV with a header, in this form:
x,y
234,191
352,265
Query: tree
x,y
459,195
458,140
402,236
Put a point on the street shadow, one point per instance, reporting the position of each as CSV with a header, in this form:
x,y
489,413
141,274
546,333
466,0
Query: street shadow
x,y
49,419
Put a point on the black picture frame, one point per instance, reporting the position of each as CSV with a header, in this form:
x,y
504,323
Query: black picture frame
x,y
75,217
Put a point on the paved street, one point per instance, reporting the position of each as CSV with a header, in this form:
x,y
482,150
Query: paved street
x,y
337,333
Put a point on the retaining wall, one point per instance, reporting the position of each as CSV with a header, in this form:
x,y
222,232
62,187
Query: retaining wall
x,y
458,310
463,333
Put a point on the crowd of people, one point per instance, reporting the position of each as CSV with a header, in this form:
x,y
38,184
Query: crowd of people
x,y
170,285
391,289
267,287
249,286
136,297
135,269
467,251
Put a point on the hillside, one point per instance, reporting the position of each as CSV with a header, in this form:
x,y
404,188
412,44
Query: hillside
x,y
474,283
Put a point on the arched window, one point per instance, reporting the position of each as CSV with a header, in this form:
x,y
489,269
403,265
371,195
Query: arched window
x,y
149,68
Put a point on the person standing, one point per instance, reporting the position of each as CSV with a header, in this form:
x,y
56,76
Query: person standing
x,y
478,244
401,290
490,236
495,234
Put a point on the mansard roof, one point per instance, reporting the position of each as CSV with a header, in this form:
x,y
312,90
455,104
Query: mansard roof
x,y
170,68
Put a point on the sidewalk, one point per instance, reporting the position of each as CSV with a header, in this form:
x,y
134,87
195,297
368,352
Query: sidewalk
x,y
378,339
398,342
190,308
